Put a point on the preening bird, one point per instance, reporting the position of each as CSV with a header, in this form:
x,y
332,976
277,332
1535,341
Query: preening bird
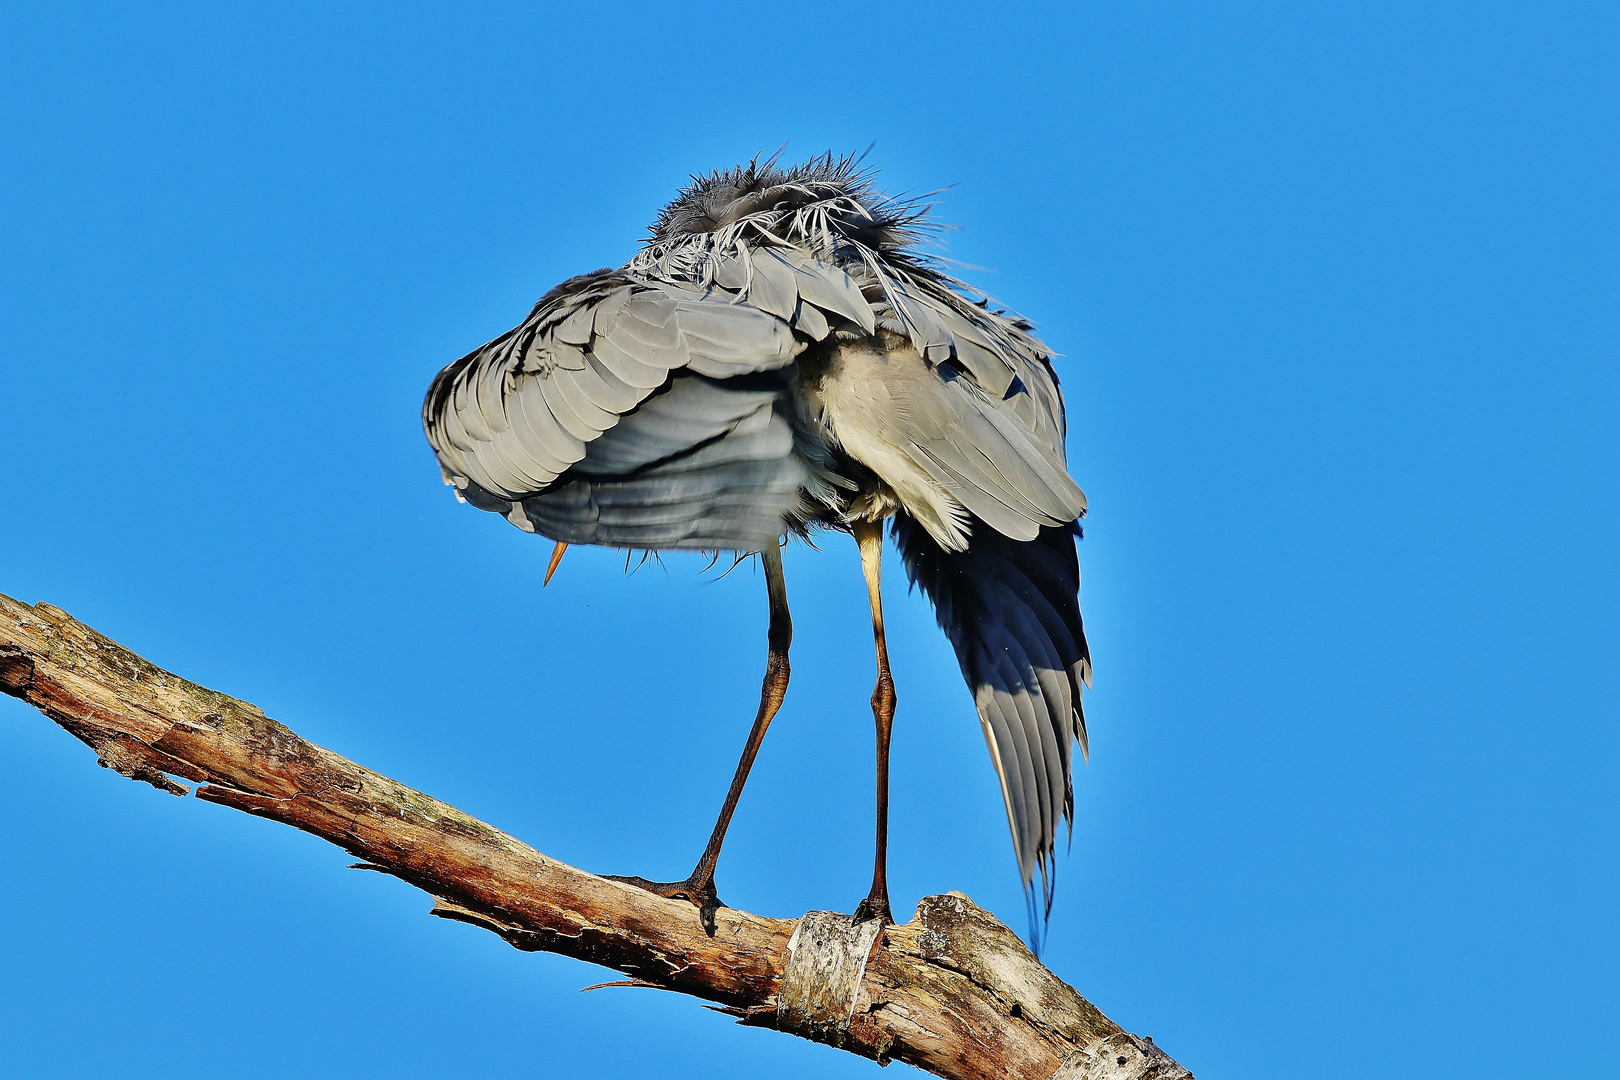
x,y
782,358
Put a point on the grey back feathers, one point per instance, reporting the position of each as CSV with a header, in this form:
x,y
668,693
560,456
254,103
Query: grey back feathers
x,y
779,357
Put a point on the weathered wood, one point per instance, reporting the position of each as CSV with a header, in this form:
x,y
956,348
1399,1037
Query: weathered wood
x,y
953,991
827,958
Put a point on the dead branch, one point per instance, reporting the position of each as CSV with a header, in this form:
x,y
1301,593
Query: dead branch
x,y
953,991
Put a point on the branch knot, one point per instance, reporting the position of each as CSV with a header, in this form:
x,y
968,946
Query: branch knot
x,y
1121,1056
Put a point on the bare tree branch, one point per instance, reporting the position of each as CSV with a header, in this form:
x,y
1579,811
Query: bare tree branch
x,y
953,991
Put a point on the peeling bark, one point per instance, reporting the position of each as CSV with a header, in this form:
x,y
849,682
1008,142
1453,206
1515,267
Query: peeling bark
x,y
953,991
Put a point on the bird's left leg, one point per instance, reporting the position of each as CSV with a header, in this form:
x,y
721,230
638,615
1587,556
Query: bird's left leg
x,y
698,888
869,535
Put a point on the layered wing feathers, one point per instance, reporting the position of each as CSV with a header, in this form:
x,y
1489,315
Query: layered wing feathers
x,y
614,392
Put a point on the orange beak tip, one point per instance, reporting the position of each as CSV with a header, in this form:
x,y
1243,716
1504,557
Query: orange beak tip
x,y
556,557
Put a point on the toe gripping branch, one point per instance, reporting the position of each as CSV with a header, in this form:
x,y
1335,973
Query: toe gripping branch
x,y
695,890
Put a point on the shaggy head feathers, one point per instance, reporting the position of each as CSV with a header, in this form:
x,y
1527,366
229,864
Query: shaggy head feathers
x,y
826,204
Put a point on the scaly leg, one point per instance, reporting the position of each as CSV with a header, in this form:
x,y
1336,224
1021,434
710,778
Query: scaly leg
x,y
869,535
698,888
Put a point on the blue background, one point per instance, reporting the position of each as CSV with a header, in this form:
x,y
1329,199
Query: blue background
x,y
1334,286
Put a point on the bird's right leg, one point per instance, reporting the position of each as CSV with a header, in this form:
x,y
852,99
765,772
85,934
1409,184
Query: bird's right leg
x,y
869,535
698,888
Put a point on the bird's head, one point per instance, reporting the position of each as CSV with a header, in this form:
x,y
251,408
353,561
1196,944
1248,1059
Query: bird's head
x,y
824,204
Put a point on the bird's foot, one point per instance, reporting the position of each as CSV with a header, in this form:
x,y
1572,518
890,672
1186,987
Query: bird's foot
x,y
695,890
875,906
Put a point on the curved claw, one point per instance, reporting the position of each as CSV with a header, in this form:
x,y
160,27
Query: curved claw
x,y
700,894
873,907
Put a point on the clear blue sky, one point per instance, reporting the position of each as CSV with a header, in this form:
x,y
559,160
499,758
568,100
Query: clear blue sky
x,y
1334,286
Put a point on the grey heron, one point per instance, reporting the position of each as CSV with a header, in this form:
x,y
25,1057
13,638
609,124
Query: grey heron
x,y
781,357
